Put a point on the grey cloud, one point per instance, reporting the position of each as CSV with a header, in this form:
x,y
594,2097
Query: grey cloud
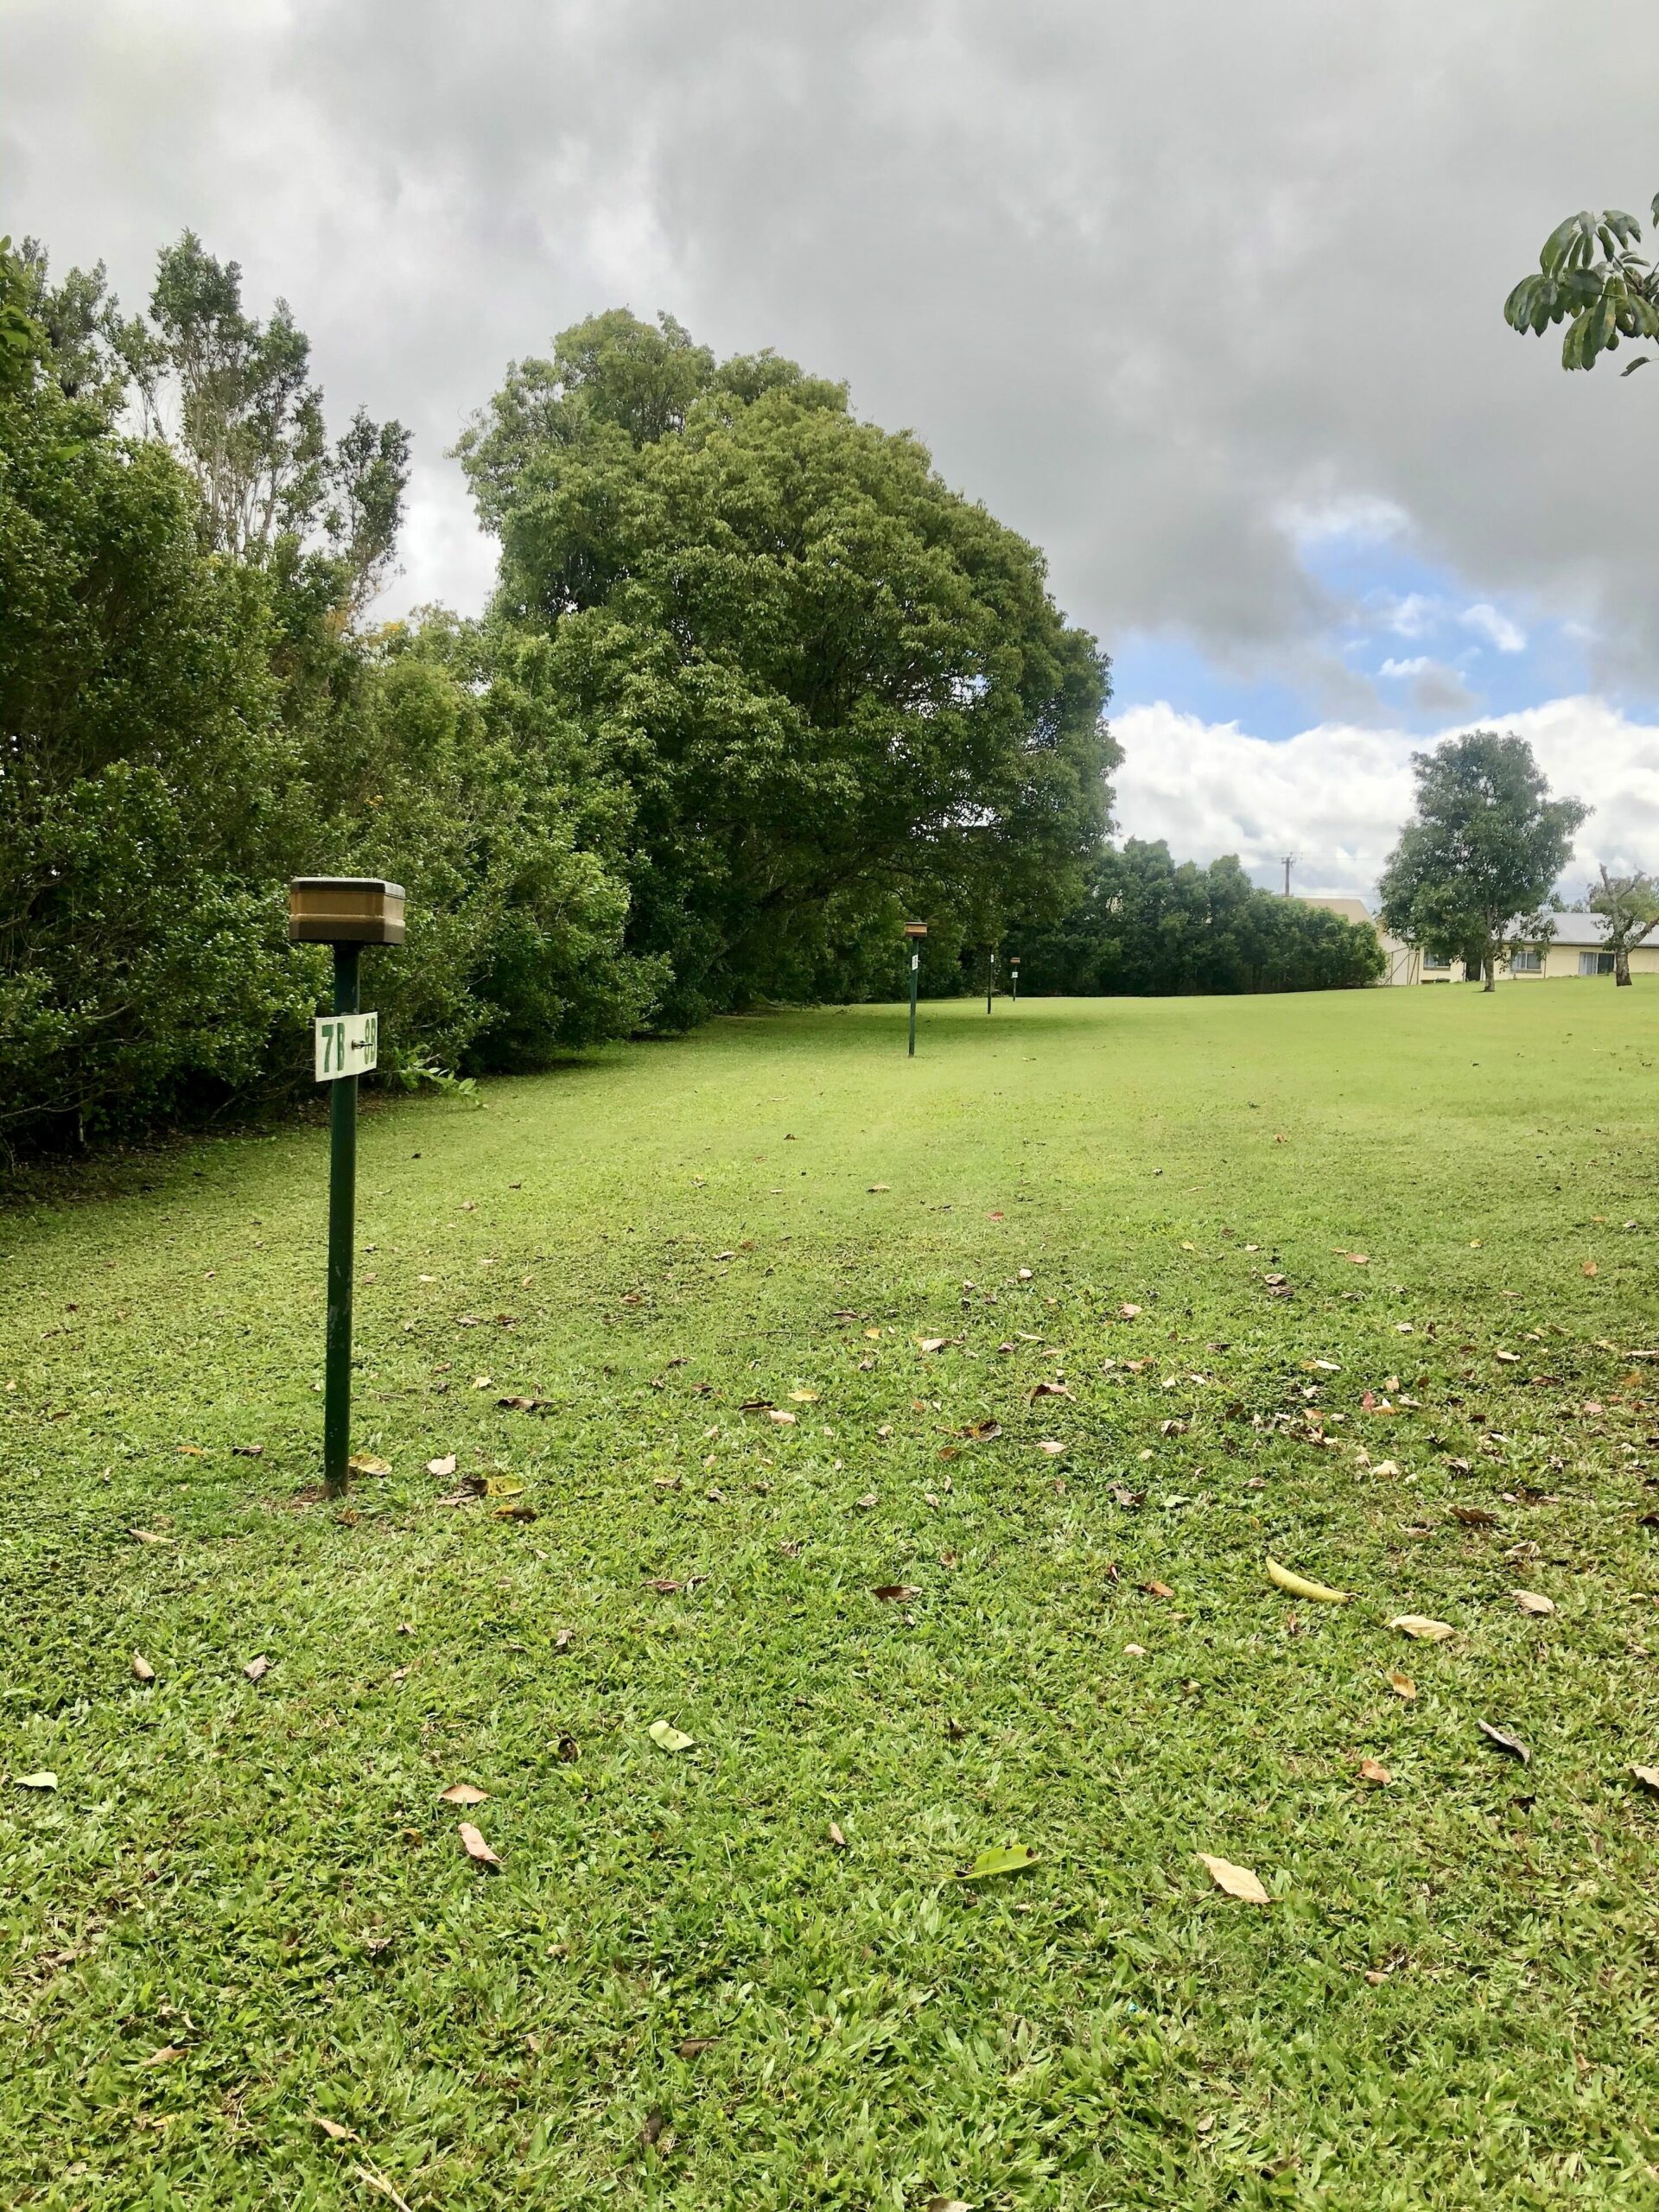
x,y
1440,690
1149,281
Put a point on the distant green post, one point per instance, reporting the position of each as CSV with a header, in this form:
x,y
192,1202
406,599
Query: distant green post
x,y
347,913
1013,973
914,933
990,977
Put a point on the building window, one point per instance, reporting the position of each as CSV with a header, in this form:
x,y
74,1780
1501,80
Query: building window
x,y
1431,965
1526,961
1595,963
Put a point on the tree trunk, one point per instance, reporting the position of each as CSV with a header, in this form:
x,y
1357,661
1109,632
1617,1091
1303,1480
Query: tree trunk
x,y
1621,964
1489,964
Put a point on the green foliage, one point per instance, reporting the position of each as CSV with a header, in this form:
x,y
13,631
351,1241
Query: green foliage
x,y
24,338
832,686
1474,867
756,686
181,733
1145,927
1591,278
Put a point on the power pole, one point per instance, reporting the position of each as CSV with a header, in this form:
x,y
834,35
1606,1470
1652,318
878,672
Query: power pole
x,y
1291,860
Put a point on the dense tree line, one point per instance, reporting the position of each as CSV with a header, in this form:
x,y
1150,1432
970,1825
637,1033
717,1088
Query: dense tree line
x,y
1148,927
755,686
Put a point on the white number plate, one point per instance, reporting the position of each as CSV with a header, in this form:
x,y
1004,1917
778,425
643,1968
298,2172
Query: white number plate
x,y
347,1044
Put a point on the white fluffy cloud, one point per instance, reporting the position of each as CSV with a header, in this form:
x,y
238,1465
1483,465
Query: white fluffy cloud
x,y
1336,796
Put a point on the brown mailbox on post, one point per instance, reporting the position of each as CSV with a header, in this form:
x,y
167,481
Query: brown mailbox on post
x,y
345,910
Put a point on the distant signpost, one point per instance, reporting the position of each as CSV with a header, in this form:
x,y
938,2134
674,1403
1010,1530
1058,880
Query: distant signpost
x,y
915,931
347,912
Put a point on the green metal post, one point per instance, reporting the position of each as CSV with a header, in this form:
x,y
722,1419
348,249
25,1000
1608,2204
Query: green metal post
x,y
915,962
342,1212
991,978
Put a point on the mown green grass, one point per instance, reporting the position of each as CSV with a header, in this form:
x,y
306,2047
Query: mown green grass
x,y
1452,1997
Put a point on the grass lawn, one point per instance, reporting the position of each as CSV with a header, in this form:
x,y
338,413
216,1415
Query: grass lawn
x,y
244,1909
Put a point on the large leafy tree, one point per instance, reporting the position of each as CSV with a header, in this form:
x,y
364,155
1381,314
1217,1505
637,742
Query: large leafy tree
x,y
1476,865
1591,278
835,689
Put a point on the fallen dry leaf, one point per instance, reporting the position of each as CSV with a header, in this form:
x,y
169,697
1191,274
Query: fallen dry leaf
x,y
1426,1630
1505,1742
667,1738
804,1397
166,2055
257,1668
462,1793
981,1431
148,1536
1372,1771
1052,1446
1048,1390
1648,1776
142,1670
442,1467
879,1187
474,1845
1025,1275
895,1593
931,1344
1402,1686
1590,1268
333,2129
368,1463
44,1780
1157,1589
1238,1881
1474,1516
783,1420
1129,1312
1533,1601
837,1837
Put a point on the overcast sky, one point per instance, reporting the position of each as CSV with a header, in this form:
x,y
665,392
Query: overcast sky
x,y
1205,298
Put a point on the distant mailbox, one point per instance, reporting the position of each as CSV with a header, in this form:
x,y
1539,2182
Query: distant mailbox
x,y
345,910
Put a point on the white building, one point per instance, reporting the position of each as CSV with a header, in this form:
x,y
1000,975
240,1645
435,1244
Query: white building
x,y
1578,948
